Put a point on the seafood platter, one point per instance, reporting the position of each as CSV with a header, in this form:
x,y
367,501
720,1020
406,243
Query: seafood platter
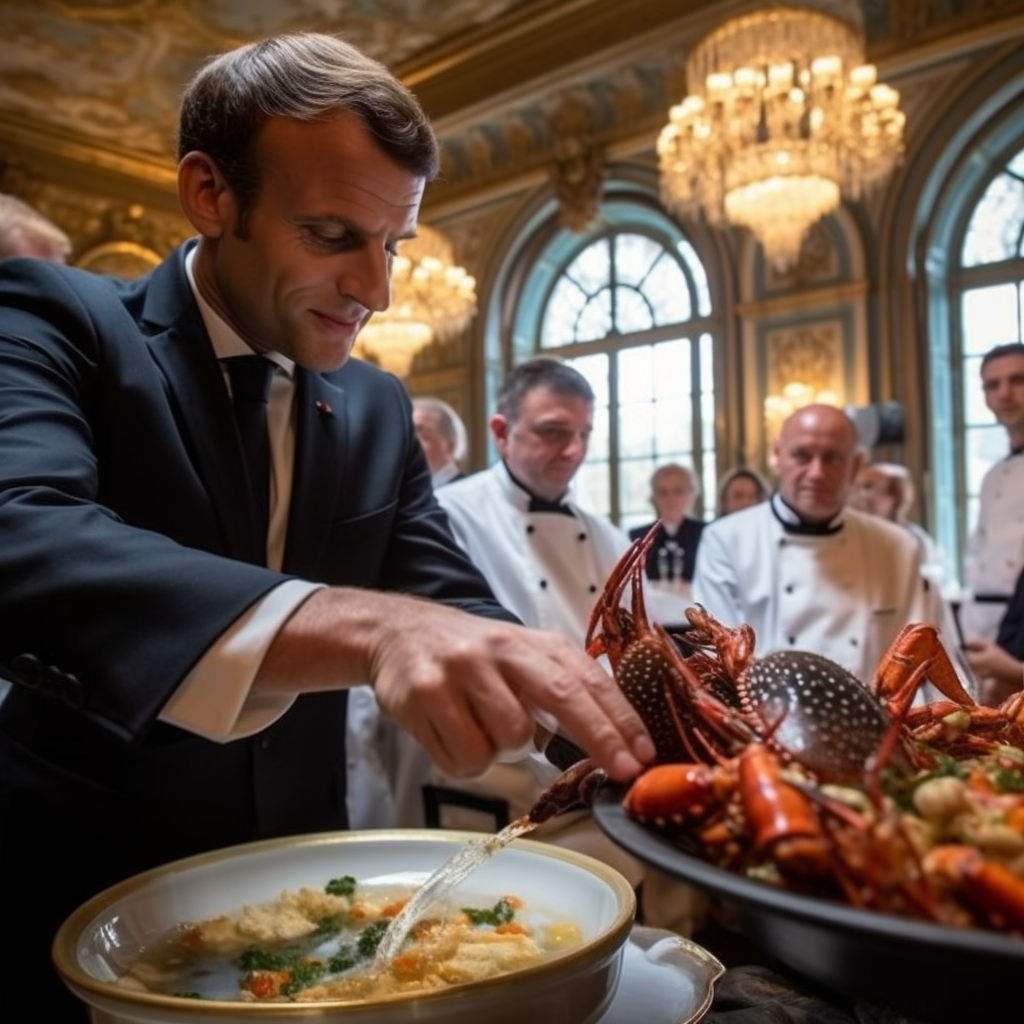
x,y
869,834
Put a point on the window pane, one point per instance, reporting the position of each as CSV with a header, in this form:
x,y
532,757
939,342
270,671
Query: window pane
x,y
667,289
592,268
634,257
985,446
632,313
990,317
672,369
994,232
700,278
636,379
567,299
596,320
673,426
636,429
595,369
635,488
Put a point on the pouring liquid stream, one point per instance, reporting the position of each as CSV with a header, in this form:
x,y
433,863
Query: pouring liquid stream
x,y
440,884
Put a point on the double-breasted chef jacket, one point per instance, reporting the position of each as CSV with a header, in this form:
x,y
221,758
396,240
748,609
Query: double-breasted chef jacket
x,y
995,549
845,594
551,567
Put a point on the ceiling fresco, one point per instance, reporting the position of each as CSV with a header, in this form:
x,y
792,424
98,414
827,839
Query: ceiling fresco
x,y
508,83
111,70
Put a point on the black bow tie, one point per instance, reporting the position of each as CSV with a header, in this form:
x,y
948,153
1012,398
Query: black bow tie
x,y
541,505
801,527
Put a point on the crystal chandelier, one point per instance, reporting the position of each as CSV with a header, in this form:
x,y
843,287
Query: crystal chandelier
x,y
784,118
431,298
794,395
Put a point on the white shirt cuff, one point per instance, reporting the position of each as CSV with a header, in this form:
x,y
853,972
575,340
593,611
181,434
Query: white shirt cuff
x,y
213,700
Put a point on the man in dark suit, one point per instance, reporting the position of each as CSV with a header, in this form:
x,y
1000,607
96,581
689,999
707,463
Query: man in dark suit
x,y
673,555
179,667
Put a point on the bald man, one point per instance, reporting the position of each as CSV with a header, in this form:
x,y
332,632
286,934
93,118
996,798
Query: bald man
x,y
804,569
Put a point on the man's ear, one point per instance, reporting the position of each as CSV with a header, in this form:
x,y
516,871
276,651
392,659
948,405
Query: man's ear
x,y
499,430
204,196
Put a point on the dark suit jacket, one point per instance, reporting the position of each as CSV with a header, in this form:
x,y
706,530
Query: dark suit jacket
x,y
128,544
688,538
1011,628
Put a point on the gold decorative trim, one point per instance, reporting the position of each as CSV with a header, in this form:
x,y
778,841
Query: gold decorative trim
x,y
123,259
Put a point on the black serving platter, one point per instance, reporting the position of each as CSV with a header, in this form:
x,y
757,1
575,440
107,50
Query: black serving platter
x,y
935,974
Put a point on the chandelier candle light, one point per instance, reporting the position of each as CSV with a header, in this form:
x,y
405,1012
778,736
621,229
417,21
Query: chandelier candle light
x,y
784,118
431,297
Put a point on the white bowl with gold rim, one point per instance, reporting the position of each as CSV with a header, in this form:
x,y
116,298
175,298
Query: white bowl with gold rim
x,y
101,940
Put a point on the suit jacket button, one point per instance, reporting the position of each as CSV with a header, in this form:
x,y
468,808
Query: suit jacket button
x,y
28,670
67,687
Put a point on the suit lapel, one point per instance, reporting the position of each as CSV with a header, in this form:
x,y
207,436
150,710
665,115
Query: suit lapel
x,y
321,439
198,395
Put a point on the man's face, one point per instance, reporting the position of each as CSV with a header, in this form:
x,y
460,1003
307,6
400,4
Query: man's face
x,y
437,448
547,443
315,260
1002,382
672,495
816,461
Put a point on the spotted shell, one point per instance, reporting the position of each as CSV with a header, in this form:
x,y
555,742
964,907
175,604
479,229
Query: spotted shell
x,y
818,713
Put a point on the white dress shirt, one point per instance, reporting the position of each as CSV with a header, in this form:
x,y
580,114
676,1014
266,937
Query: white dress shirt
x,y
214,699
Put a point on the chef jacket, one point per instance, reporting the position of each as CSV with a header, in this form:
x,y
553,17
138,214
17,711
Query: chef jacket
x,y
844,594
548,568
995,549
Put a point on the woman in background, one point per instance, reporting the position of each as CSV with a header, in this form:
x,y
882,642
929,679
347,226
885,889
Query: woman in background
x,y
741,488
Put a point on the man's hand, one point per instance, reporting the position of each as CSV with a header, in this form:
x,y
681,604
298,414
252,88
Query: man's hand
x,y
466,687
999,672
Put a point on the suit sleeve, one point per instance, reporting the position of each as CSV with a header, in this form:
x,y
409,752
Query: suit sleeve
x,y
1011,628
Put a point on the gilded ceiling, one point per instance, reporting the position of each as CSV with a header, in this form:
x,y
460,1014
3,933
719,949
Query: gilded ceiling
x,y
90,87
111,69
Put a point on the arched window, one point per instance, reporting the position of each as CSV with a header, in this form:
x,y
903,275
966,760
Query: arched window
x,y
991,302
629,305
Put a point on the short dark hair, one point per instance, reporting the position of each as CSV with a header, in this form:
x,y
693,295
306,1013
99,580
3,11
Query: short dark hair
x,y
542,372
1011,348
306,76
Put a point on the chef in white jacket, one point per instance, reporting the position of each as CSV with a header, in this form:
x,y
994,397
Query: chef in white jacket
x,y
806,571
548,561
995,549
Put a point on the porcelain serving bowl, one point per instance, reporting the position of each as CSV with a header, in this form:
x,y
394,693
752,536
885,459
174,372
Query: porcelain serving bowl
x,y
105,936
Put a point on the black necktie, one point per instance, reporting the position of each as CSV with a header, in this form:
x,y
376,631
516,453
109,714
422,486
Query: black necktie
x,y
250,388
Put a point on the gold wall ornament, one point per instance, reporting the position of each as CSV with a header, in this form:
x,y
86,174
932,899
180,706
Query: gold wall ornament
x,y
431,298
783,119
577,174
